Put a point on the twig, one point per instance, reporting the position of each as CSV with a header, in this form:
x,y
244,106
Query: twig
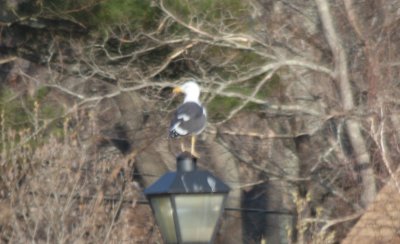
x,y
247,100
272,176
171,57
385,154
257,135
116,213
8,59
331,222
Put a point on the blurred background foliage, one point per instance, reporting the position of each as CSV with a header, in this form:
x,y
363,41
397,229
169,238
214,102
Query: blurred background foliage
x,y
112,19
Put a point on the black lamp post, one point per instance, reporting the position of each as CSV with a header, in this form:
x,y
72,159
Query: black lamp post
x,y
188,203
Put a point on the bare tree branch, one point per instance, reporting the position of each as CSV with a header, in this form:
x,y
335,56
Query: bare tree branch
x,y
346,92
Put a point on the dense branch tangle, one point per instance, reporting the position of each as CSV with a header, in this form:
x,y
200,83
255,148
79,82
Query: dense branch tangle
x,y
128,51
294,79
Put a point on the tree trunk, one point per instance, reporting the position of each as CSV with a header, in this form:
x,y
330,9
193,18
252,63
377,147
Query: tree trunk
x,y
353,127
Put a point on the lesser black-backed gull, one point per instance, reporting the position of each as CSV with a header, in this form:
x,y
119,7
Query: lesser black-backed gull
x,y
190,118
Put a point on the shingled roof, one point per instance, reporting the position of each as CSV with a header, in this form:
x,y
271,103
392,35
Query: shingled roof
x,y
381,221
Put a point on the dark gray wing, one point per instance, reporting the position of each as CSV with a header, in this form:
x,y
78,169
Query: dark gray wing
x,y
189,118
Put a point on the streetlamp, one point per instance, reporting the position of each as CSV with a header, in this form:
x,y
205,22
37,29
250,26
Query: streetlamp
x,y
188,203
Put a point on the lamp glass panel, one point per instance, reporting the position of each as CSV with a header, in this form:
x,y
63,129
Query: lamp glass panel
x,y
198,215
165,219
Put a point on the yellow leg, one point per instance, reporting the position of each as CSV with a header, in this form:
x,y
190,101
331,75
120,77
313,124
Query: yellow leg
x,y
182,145
193,147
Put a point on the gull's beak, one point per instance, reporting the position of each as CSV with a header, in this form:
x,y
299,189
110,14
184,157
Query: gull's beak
x,y
177,90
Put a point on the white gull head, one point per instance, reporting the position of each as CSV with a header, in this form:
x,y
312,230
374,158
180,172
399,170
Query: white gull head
x,y
191,90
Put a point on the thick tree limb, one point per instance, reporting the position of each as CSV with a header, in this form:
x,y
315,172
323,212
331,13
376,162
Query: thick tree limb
x,y
346,91
7,59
